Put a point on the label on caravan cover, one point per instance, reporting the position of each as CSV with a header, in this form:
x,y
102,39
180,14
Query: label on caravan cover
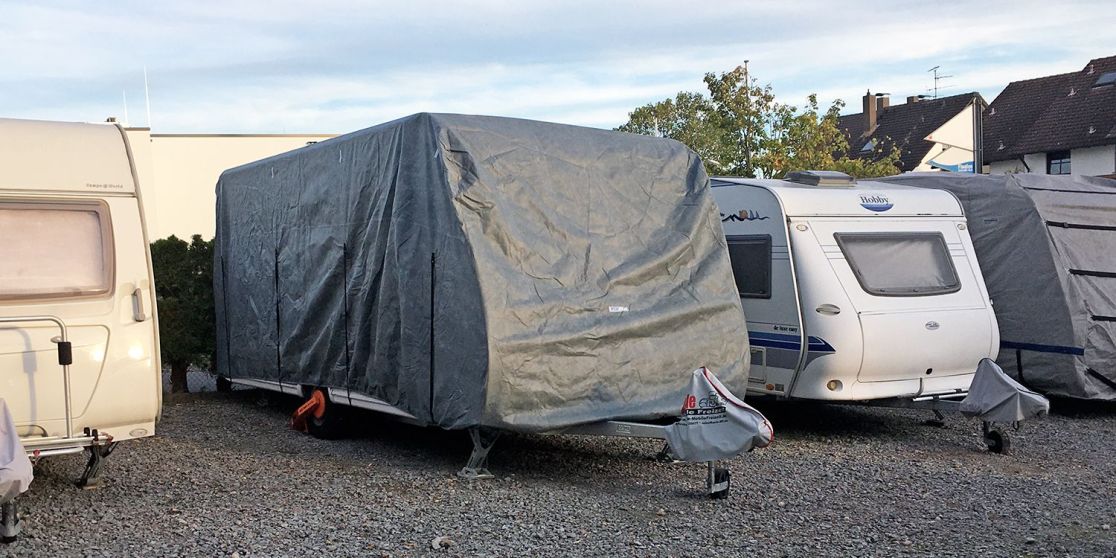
x,y
875,202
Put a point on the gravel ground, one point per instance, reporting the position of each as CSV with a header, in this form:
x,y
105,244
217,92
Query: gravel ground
x,y
226,477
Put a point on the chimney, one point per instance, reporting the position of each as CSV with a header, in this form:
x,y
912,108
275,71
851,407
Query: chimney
x,y
883,100
913,99
869,112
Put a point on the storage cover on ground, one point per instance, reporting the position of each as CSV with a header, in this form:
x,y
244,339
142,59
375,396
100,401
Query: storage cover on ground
x,y
1045,245
15,468
477,270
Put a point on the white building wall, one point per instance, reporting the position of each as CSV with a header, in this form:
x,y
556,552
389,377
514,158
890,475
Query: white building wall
x,y
953,142
1036,162
1093,161
1086,161
178,174
1006,167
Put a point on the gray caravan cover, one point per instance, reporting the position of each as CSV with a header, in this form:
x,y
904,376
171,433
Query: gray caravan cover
x,y
1047,248
474,270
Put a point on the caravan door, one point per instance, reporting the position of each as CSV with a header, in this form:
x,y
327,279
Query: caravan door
x,y
923,310
755,228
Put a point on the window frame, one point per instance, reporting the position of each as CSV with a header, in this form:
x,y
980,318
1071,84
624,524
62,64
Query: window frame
x,y
108,247
1055,157
766,241
842,238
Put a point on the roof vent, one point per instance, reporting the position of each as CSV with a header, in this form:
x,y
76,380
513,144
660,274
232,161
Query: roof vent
x,y
821,178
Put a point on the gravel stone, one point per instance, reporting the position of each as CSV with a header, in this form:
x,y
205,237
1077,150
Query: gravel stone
x,y
227,477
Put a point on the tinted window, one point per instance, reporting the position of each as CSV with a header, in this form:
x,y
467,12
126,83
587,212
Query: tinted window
x,y
900,264
751,264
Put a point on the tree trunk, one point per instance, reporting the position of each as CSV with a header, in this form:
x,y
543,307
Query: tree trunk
x,y
178,377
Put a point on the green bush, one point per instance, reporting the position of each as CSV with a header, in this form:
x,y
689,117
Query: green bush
x,y
184,293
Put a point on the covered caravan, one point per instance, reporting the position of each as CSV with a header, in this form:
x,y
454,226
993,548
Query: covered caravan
x,y
479,271
1047,249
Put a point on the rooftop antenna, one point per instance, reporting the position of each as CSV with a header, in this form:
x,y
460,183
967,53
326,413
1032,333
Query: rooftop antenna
x,y
125,93
937,78
147,97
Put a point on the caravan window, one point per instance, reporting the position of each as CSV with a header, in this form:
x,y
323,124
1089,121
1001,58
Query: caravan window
x,y
54,249
900,264
751,264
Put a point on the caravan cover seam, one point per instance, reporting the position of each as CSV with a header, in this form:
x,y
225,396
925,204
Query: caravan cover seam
x,y
1039,348
1064,225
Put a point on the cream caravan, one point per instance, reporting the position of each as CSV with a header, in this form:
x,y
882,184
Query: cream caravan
x,y
79,364
855,291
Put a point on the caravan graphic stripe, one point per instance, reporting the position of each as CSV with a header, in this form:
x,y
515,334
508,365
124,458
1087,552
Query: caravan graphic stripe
x,y
792,342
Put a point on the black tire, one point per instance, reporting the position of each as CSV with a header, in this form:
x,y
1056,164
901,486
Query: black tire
x,y
721,475
997,442
333,424
224,385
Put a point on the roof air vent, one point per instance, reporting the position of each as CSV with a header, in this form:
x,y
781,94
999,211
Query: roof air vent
x,y
821,178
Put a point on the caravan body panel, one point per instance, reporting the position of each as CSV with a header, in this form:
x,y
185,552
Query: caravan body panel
x,y
78,252
873,329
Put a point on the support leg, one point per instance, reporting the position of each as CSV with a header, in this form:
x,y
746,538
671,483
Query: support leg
x,y
477,467
665,455
91,477
938,421
9,522
718,481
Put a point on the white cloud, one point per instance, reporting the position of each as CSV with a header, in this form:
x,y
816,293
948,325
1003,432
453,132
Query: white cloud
x,y
259,66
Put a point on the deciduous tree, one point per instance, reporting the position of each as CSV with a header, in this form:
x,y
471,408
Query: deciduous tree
x,y
739,129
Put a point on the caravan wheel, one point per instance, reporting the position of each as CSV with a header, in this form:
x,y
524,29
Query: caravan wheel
x,y
997,442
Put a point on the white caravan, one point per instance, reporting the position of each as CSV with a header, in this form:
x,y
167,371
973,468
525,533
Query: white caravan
x,y
79,360
855,291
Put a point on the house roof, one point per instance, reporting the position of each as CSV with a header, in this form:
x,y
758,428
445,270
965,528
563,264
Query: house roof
x,y
905,125
1052,113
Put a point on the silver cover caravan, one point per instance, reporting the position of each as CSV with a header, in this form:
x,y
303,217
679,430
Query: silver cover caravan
x,y
485,271
1047,248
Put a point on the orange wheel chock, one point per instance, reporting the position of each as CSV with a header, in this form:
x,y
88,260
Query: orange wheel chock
x,y
313,407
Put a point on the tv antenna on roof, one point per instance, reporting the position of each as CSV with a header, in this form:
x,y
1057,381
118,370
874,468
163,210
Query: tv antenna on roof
x,y
937,78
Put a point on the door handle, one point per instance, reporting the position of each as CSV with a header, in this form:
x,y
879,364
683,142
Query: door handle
x,y
828,309
138,313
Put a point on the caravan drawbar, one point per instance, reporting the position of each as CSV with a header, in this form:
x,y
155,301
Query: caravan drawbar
x,y
855,291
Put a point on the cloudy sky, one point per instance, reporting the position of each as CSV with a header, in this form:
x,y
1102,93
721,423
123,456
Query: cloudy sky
x,y
333,66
